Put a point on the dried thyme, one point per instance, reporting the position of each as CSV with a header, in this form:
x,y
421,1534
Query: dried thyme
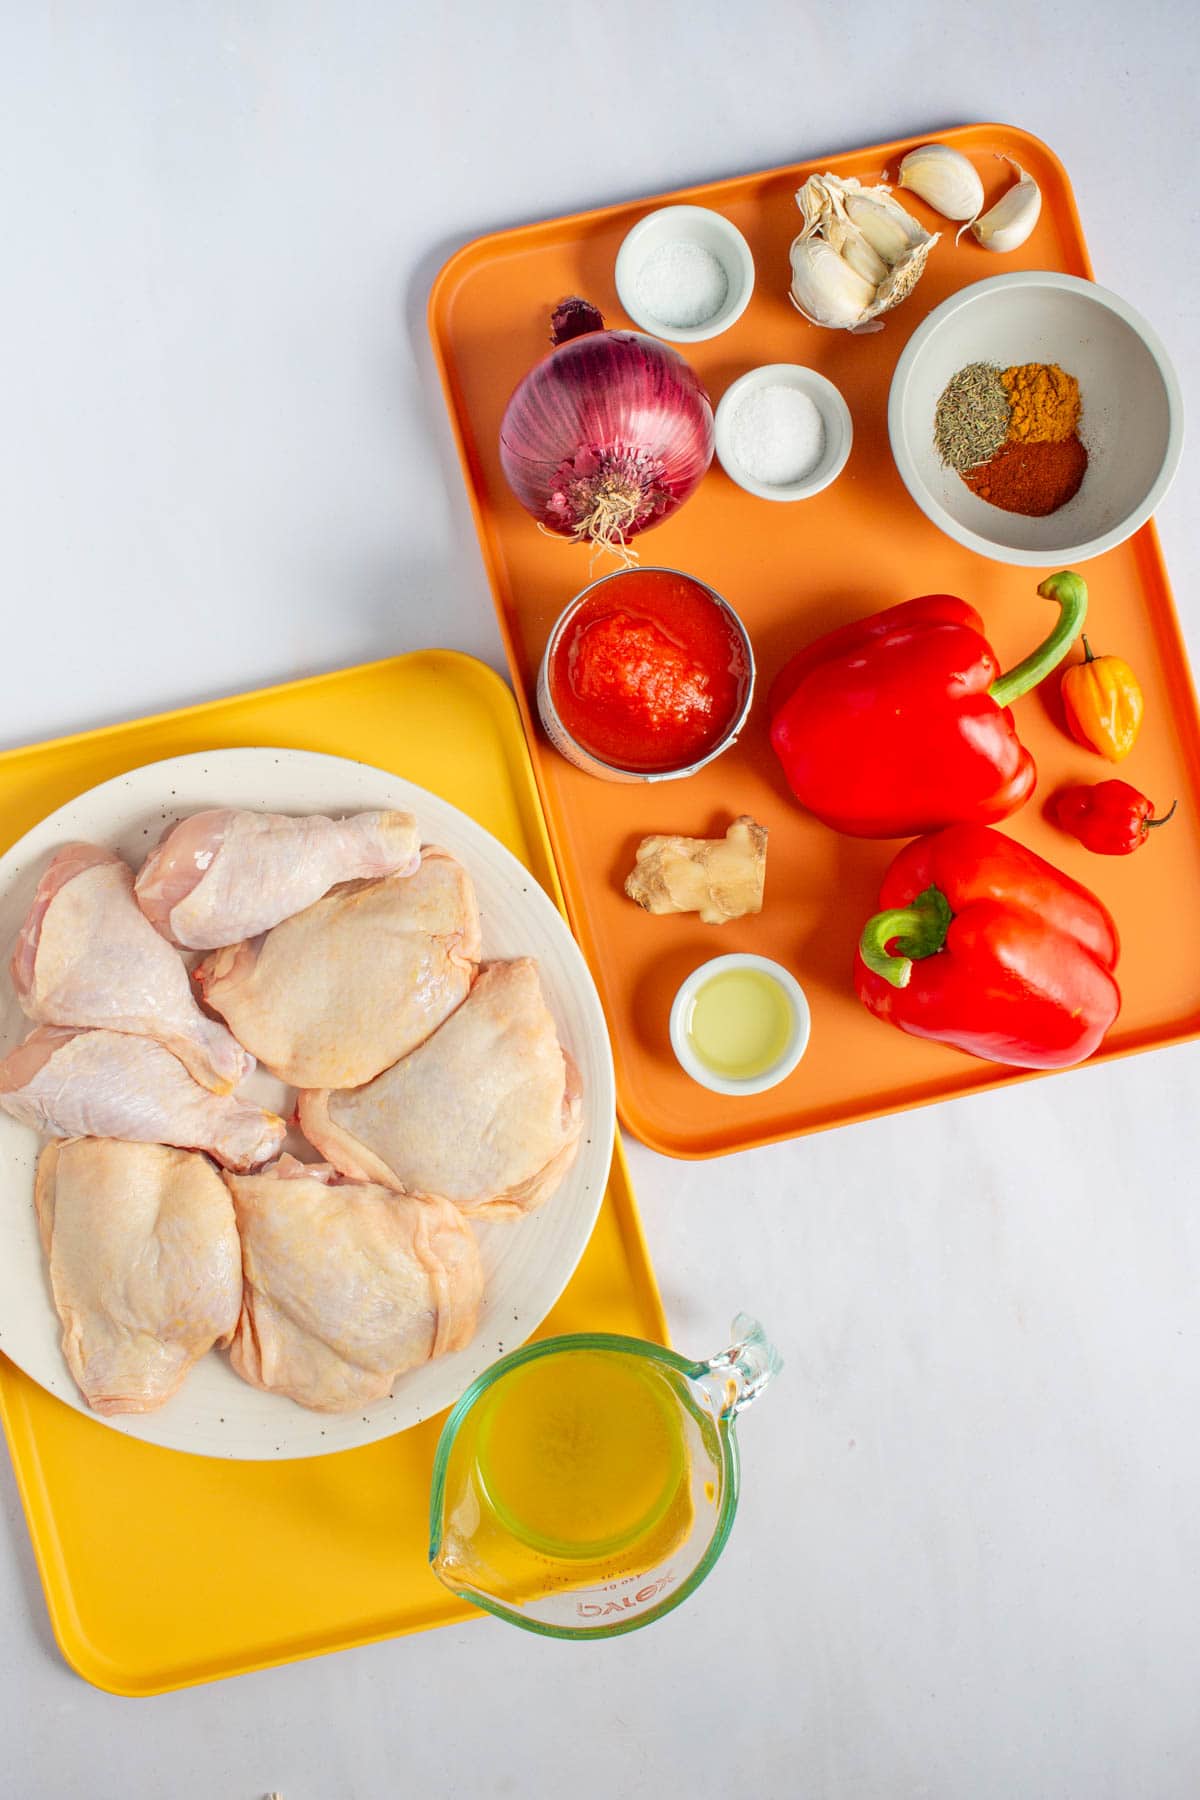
x,y
972,417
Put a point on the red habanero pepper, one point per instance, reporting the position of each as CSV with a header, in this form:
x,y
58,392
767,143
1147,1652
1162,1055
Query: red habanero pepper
x,y
1109,817
900,723
984,945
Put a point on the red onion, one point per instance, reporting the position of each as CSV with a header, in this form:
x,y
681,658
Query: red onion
x,y
607,436
572,317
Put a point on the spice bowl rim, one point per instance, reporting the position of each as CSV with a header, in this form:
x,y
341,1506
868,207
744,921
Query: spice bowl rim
x,y
735,256
900,405
835,415
578,753
784,1065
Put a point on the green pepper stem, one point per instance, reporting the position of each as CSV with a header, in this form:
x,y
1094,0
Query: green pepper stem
x,y
1151,823
1070,591
918,929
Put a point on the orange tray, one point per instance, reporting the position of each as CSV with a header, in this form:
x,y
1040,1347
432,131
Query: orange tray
x,y
793,572
162,1569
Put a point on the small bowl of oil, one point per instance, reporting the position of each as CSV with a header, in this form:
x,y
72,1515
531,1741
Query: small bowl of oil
x,y
740,1024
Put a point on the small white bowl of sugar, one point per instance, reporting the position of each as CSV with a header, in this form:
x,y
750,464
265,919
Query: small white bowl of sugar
x,y
684,273
783,432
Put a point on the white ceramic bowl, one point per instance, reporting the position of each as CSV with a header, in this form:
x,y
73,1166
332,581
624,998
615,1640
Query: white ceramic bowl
x,y
835,415
1131,425
798,1038
686,224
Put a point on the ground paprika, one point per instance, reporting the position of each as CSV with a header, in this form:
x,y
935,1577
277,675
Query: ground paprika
x,y
1031,478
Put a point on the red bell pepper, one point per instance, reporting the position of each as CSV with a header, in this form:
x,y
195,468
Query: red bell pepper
x,y
1111,818
900,723
982,944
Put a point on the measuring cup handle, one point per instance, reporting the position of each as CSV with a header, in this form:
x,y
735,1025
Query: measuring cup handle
x,y
737,1376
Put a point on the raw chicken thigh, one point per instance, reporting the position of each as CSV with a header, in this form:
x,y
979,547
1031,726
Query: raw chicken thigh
x,y
486,1113
110,1085
346,1285
86,956
334,995
144,1265
222,876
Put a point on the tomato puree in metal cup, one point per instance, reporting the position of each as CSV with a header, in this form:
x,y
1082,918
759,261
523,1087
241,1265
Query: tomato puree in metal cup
x,y
649,671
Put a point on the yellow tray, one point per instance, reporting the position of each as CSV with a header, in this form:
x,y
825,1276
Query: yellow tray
x,y
162,1569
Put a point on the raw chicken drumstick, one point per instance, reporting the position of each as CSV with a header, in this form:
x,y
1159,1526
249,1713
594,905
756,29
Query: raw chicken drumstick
x,y
346,1285
107,1084
86,956
334,995
486,1113
145,1266
222,876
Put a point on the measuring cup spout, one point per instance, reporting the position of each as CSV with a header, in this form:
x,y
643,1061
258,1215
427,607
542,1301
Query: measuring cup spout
x,y
734,1378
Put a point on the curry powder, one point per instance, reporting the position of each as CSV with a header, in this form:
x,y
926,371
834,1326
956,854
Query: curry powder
x,y
1044,401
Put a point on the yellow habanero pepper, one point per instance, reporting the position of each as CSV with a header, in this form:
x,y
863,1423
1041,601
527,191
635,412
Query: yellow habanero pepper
x,y
1103,703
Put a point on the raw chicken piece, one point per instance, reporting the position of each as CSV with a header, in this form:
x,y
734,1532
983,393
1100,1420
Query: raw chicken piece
x,y
86,956
108,1084
487,1113
222,876
144,1265
346,1285
357,980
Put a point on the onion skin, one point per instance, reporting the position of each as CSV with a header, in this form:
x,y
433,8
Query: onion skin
x,y
607,436
573,318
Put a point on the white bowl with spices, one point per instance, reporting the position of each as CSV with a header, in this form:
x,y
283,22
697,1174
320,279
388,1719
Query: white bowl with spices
x,y
1130,423
684,273
783,432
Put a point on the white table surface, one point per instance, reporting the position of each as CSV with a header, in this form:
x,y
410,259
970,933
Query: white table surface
x,y
968,1557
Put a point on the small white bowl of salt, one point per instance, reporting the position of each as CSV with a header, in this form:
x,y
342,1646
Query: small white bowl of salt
x,y
783,432
684,273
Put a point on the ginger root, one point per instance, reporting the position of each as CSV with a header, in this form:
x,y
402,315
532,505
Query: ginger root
x,y
719,878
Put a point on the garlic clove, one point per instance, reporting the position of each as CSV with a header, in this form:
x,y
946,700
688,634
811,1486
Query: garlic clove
x,y
1007,224
865,261
890,235
944,179
825,288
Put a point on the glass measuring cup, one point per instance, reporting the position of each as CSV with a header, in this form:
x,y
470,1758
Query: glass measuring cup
x,y
584,1486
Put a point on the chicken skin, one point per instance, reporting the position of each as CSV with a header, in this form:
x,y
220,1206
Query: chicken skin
x,y
357,980
86,955
106,1084
486,1113
222,876
346,1284
145,1267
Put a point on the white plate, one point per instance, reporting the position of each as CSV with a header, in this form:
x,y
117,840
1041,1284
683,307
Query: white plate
x,y
527,1262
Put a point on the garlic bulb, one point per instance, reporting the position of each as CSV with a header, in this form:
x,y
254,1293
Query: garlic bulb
x,y
945,179
858,255
1010,221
